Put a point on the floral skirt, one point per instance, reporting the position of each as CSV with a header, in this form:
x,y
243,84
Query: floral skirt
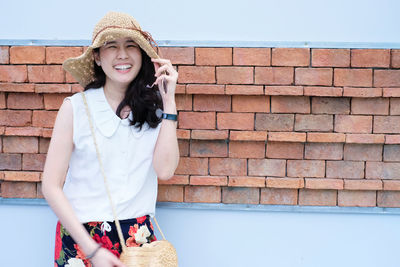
x,y
135,231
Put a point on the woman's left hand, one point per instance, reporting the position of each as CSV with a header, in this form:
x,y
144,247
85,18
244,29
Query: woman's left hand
x,y
167,78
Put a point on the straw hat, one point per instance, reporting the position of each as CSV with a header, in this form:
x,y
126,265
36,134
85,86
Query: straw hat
x,y
112,26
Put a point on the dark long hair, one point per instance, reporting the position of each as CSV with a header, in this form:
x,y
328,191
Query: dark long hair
x,y
142,100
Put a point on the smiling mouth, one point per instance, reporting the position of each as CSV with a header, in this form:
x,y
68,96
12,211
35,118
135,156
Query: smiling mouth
x,y
123,67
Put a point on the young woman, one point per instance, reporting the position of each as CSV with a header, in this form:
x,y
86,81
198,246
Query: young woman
x,y
130,93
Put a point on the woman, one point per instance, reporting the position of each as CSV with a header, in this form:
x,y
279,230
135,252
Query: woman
x,y
126,86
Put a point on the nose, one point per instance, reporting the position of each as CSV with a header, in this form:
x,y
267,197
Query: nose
x,y
122,53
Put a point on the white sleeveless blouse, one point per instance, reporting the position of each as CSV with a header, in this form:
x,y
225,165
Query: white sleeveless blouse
x,y
127,157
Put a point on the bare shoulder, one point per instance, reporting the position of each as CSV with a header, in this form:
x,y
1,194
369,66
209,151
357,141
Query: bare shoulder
x,y
64,121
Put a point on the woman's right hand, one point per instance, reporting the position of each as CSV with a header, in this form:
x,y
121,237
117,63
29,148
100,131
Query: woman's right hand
x,y
104,258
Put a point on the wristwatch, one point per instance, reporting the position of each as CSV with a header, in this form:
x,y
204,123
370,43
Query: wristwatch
x,y
172,117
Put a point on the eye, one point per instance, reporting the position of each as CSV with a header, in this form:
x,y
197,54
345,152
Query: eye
x,y
111,46
131,45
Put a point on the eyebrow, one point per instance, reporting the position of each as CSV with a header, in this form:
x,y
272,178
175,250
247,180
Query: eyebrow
x,y
114,42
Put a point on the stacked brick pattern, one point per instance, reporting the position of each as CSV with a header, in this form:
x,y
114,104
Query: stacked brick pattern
x,y
286,126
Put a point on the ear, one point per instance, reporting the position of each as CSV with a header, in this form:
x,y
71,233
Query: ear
x,y
96,58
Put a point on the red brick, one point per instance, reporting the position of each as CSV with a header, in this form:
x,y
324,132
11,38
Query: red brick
x,y
15,117
197,120
387,78
2,101
183,102
290,104
213,56
170,193
209,134
17,144
52,88
245,149
23,131
286,137
183,134
235,75
375,106
201,148
209,180
192,166
240,195
252,56
57,55
46,74
370,58
27,55
33,162
353,124
15,87
4,55
178,55
312,197
244,89
24,101
395,106
274,122
313,123
283,182
10,161
208,194
54,101
326,137
330,57
386,124
196,74
248,136
388,199
330,105
274,75
46,132
382,170
211,103
333,151
391,185
395,58
305,168
387,92
363,184
345,169
313,76
284,90
180,89
43,118
283,150
357,198
183,147
277,196
13,73
362,92
228,166
391,153
175,180
353,77
392,139
44,145
208,89
324,183
18,190
323,91
290,56
365,138
246,181
21,176
267,167
250,103
236,121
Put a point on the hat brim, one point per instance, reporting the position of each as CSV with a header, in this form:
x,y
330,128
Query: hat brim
x,y
82,67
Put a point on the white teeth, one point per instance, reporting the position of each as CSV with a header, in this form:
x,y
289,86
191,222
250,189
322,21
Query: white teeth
x,y
123,67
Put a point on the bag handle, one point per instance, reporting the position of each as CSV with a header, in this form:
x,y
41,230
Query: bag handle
x,y
120,235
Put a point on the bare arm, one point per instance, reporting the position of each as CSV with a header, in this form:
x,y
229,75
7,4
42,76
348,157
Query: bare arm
x,y
53,178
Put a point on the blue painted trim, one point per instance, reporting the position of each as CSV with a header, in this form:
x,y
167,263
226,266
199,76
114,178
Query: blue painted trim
x,y
183,43
237,207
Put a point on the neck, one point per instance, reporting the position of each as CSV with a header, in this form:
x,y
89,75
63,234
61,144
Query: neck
x,y
114,94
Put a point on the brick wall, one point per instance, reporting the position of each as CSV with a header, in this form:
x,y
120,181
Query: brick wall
x,y
291,126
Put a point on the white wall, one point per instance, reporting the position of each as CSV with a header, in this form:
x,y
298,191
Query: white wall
x,y
217,235
223,20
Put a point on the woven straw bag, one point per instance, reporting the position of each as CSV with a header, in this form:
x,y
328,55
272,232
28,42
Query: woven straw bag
x,y
156,254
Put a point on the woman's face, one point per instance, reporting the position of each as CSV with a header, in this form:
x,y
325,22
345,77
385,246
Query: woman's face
x,y
120,60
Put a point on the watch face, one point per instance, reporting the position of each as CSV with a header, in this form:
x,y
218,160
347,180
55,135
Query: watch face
x,y
159,112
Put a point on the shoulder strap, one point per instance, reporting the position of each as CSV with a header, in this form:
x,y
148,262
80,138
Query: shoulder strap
x,y
120,235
